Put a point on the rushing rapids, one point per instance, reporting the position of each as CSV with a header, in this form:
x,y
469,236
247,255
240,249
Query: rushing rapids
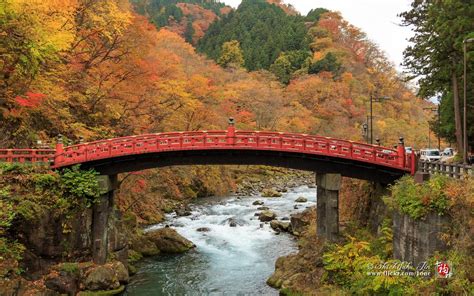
x,y
227,260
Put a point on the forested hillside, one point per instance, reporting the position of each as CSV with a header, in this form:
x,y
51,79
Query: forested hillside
x,y
264,31
189,18
94,70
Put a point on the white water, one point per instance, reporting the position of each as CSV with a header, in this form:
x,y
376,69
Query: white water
x,y
227,260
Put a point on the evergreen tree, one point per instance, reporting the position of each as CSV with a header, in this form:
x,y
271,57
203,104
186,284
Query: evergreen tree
x,y
329,64
263,31
315,14
189,34
436,56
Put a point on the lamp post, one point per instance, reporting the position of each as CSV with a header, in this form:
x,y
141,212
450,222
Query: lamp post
x,y
374,100
465,42
365,127
437,110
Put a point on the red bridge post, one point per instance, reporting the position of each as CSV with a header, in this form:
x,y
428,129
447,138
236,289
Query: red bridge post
x,y
401,153
413,163
231,132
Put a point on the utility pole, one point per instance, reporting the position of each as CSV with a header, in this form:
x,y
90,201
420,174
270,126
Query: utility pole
x,y
372,100
438,113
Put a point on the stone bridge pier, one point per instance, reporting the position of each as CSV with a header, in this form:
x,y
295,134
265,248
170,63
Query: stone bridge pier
x,y
101,212
327,213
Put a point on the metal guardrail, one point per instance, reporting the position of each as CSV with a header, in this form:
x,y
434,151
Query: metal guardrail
x,y
457,171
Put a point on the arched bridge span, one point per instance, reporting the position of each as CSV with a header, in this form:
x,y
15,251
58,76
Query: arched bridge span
x,y
290,150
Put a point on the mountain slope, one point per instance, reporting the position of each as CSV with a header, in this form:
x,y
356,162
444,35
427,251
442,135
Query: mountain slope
x,y
264,31
188,18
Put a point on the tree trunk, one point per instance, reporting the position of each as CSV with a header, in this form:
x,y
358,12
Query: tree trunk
x,y
457,113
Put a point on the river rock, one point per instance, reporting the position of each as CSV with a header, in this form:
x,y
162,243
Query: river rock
x,y
62,283
263,208
144,246
203,229
270,193
285,219
182,212
266,216
301,199
167,240
101,277
300,221
258,203
295,207
279,225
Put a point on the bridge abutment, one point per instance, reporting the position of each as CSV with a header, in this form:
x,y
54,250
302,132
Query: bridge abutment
x,y
328,186
100,218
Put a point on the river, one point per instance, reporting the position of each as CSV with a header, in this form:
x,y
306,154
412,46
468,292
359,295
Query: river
x,y
227,260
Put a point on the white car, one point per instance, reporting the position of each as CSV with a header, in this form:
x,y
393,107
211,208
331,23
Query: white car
x,y
430,154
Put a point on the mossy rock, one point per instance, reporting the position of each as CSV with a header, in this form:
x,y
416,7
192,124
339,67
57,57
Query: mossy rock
x,y
134,256
271,193
102,293
144,246
169,240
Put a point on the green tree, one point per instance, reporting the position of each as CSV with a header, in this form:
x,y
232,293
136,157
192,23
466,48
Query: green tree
x,y
329,64
290,62
436,56
315,14
189,34
231,55
263,31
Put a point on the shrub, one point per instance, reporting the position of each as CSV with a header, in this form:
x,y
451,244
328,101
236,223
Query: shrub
x,y
46,181
416,200
81,184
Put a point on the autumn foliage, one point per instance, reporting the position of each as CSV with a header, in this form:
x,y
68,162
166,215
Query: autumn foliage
x,y
97,69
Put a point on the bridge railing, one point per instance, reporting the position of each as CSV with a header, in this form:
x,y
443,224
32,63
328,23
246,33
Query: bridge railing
x,y
27,155
230,138
457,171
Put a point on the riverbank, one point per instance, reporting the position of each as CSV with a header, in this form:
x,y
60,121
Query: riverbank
x,y
344,267
47,220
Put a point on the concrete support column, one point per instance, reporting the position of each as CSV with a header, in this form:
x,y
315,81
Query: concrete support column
x,y
100,217
328,205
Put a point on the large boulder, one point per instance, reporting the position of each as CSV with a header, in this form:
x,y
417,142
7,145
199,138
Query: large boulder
x,y
102,277
300,221
279,225
271,193
266,216
144,246
168,240
63,283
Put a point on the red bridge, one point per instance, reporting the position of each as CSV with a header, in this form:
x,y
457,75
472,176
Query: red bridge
x,y
297,151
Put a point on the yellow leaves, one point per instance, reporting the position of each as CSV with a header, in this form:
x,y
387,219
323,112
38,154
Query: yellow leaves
x,y
321,44
110,16
48,22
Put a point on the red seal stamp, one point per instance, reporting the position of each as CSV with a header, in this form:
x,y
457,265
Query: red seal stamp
x,y
443,270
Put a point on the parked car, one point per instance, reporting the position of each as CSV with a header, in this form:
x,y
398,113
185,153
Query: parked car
x,y
430,154
448,155
448,152
408,150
